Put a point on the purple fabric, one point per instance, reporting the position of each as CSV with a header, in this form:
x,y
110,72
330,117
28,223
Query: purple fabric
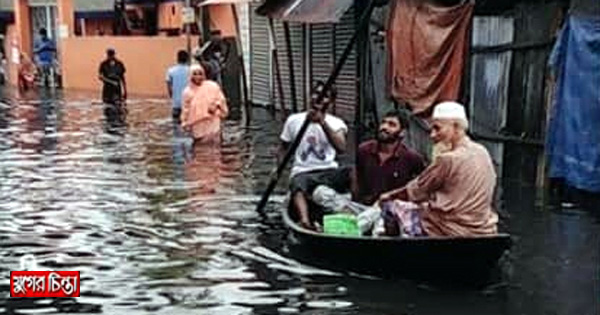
x,y
406,215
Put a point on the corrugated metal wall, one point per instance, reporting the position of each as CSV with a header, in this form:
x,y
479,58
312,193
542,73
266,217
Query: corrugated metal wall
x,y
316,48
298,50
260,63
322,48
346,83
244,23
535,26
489,81
322,51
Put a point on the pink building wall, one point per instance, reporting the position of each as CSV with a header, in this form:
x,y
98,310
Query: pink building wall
x,y
146,59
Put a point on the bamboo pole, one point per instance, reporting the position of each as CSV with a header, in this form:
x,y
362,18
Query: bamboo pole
x,y
275,56
188,37
238,41
290,56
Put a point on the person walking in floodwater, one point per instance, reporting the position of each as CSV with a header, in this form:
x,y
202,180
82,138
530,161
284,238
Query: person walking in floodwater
x,y
177,79
45,51
112,74
204,106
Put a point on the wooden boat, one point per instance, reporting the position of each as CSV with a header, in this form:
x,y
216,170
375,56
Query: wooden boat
x,y
427,258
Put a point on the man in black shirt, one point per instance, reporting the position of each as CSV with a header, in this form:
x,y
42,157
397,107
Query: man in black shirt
x,y
112,74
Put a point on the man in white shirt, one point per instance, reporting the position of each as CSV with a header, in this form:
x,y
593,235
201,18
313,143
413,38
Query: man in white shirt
x,y
315,158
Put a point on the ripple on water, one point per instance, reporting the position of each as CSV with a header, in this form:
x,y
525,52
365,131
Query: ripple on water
x,y
135,213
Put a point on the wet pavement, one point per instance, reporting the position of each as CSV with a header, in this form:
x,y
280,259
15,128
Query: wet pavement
x,y
155,227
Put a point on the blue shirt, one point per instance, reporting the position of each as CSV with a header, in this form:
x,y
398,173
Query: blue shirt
x,y
45,49
177,77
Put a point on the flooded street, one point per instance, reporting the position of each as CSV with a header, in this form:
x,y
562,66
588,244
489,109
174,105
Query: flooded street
x,y
155,227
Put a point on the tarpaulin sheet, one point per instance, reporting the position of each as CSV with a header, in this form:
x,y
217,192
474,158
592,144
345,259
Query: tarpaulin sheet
x,y
427,48
573,142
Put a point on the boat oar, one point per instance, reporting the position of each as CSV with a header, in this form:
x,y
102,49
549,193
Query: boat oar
x,y
363,22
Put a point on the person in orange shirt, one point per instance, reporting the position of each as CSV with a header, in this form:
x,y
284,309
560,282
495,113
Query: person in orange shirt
x,y
204,106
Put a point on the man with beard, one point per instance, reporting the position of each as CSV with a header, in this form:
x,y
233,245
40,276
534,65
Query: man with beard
x,y
383,164
386,163
453,196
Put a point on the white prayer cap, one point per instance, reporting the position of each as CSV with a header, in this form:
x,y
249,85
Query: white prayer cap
x,y
451,110
196,66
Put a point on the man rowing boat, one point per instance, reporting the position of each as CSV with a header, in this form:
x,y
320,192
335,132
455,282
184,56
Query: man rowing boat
x,y
315,159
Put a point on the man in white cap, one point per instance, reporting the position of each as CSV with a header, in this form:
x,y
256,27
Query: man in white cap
x,y
453,196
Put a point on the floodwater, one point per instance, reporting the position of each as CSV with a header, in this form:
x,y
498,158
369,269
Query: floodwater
x,y
157,228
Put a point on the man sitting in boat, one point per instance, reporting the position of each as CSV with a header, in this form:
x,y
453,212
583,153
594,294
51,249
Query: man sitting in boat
x,y
315,158
383,164
453,196
386,163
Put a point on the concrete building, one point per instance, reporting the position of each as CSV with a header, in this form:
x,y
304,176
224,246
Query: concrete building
x,y
84,29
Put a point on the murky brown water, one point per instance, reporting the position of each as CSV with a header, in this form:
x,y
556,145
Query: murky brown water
x,y
157,228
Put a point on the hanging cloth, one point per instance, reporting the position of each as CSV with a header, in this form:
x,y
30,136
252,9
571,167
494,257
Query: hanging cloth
x,y
427,48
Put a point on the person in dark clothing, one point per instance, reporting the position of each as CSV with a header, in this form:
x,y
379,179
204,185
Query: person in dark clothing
x,y
212,56
386,163
112,75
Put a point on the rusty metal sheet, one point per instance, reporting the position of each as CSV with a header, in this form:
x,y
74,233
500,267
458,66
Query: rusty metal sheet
x,y
305,11
210,2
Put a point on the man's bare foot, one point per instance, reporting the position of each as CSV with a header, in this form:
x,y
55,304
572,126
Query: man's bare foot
x,y
307,225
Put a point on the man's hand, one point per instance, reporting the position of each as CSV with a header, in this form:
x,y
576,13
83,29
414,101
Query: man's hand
x,y
386,197
400,194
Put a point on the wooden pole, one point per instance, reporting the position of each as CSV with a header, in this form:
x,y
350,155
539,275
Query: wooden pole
x,y
294,145
372,92
205,25
238,41
275,56
188,38
290,56
362,54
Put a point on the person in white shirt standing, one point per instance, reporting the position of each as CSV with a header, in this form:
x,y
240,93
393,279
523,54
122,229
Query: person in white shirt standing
x,y
315,158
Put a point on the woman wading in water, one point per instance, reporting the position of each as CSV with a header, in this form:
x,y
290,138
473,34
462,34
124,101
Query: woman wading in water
x,y
204,106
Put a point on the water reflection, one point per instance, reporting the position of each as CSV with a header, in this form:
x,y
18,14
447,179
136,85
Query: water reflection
x,y
115,119
158,226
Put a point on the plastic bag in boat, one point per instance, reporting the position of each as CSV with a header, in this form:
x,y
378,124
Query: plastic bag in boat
x,y
334,202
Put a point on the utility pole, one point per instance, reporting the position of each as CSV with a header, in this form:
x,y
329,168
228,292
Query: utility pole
x,y
188,28
118,17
